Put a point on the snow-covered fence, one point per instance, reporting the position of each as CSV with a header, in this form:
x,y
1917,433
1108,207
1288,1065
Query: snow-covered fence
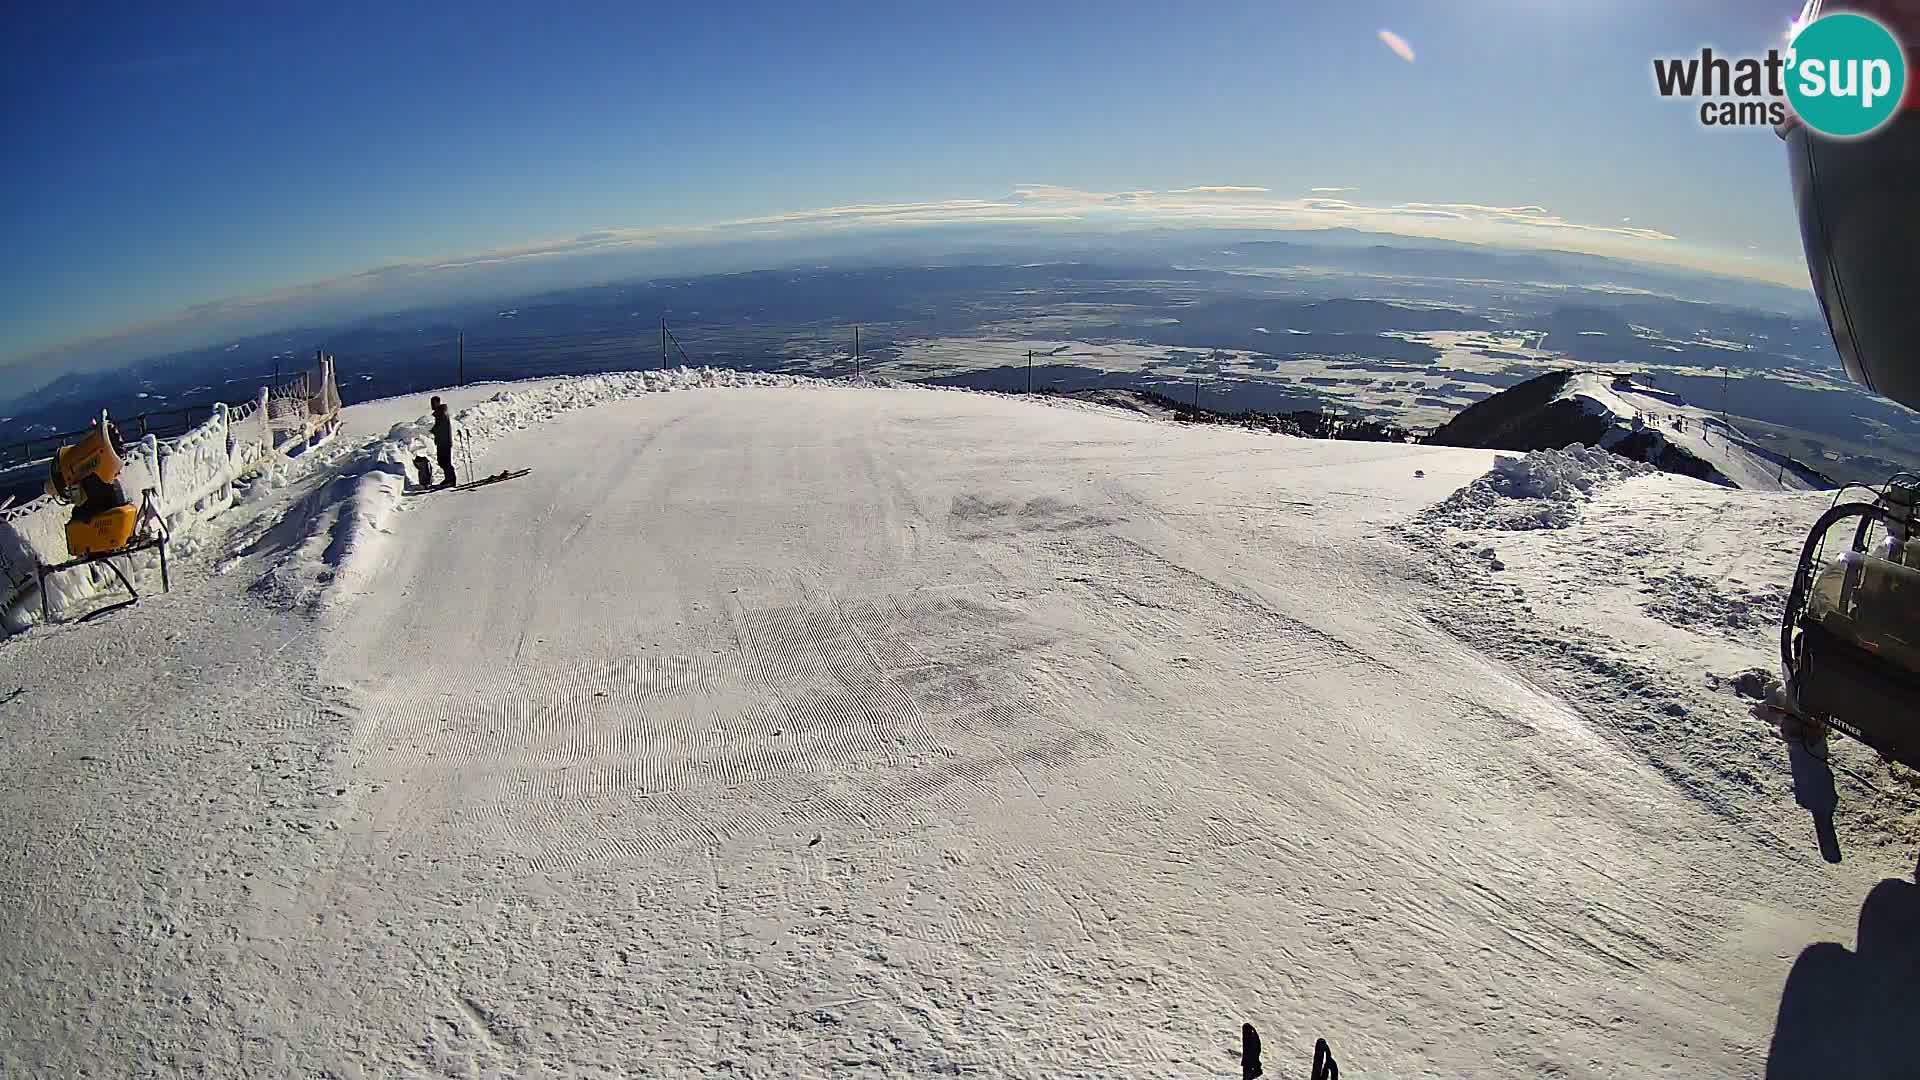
x,y
287,409
304,409
195,474
27,532
249,435
192,479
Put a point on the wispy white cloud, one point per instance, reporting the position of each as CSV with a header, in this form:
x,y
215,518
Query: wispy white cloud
x,y
1222,205
1333,190
1032,193
1218,189
1219,205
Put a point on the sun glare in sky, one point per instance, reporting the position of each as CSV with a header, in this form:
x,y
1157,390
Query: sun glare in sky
x,y
1398,44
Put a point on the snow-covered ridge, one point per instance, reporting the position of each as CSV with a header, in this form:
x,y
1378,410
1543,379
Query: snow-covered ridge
x,y
1667,431
1612,412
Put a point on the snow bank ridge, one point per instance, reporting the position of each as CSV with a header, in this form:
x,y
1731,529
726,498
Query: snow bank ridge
x,y
332,546
1542,490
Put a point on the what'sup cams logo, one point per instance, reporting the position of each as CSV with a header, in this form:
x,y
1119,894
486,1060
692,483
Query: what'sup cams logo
x,y
1843,75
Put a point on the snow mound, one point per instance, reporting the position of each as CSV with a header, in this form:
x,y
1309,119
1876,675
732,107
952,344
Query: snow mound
x,y
335,538
1542,490
332,546
1752,684
1692,602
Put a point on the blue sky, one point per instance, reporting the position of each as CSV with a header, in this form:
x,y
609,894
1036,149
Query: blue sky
x,y
171,155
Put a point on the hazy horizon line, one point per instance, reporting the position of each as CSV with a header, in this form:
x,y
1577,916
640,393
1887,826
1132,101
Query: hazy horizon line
x,y
423,283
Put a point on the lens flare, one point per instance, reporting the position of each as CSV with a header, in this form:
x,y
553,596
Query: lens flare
x,y
1398,44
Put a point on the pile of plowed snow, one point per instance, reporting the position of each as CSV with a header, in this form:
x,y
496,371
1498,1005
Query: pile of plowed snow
x,y
1542,490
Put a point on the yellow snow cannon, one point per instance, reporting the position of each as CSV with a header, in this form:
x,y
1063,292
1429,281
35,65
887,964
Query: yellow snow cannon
x,y
86,475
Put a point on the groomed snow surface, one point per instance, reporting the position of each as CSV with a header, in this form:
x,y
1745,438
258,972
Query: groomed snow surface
x,y
777,730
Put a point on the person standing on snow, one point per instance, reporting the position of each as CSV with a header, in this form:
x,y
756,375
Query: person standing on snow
x,y
443,442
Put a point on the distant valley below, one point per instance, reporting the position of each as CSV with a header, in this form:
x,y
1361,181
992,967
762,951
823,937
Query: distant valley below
x,y
1407,335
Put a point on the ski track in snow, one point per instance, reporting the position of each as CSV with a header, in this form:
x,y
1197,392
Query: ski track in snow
x,y
898,732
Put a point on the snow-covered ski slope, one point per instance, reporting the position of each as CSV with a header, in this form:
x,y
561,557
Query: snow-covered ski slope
x,y
801,730
1696,431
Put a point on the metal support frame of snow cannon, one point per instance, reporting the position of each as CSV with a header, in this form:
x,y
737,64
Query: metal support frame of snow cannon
x,y
1822,668
166,584
156,539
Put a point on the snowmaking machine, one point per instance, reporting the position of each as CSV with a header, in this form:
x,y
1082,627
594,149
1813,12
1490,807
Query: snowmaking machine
x,y
86,476
1850,634
105,523
1850,638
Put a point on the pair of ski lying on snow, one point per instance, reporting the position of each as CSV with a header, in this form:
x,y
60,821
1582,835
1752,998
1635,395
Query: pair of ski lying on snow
x,y
505,474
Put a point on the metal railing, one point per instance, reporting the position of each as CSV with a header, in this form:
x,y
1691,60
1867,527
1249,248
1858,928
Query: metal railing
x,y
289,397
160,423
